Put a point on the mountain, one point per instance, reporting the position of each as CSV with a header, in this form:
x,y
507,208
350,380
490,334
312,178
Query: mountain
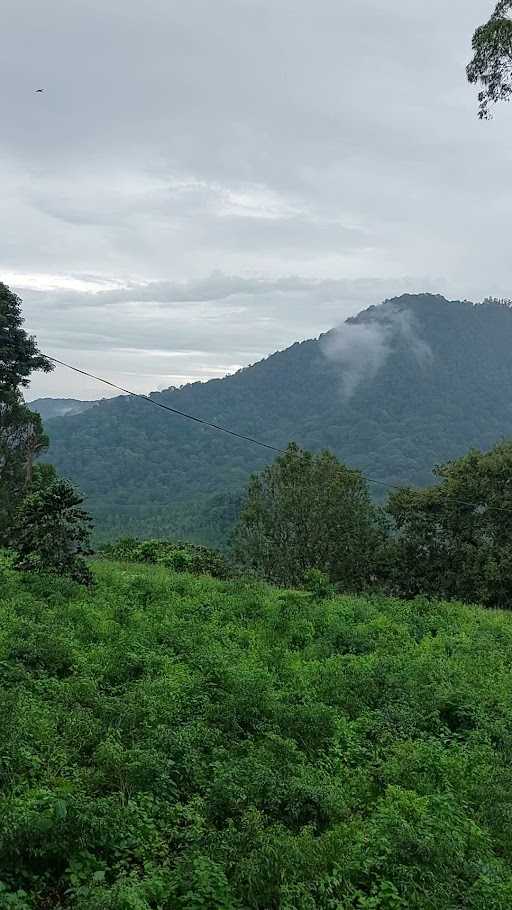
x,y
400,387
49,408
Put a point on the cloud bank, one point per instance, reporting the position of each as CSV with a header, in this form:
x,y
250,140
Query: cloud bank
x,y
185,159
156,334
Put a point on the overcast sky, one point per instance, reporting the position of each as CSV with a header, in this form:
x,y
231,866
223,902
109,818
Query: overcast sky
x,y
204,182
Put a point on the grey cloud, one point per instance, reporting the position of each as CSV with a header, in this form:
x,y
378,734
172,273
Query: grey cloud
x,y
270,138
196,330
291,290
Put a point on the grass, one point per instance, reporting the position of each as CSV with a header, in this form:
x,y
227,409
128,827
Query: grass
x,y
169,741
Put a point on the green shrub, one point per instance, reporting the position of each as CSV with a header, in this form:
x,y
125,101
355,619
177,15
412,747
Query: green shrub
x,y
318,584
180,557
170,741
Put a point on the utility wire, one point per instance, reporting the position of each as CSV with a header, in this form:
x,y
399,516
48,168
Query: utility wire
x,y
251,439
165,407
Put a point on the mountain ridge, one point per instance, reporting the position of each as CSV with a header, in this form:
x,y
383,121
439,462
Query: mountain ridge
x,y
428,380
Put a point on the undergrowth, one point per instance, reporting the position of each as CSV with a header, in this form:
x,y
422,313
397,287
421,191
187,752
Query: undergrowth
x,y
171,741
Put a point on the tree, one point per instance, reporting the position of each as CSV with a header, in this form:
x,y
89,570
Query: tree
x,y
455,539
21,433
51,532
20,356
307,512
491,65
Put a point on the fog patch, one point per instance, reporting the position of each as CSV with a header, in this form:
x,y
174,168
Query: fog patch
x,y
361,348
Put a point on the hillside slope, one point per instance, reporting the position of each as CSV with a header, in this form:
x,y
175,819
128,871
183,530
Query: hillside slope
x,y
403,386
178,742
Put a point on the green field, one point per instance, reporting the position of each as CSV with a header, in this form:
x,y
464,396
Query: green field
x,y
177,742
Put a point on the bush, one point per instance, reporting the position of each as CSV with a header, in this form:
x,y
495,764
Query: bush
x,y
180,557
179,742
318,584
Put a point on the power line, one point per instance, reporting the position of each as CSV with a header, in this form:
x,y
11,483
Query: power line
x,y
165,407
250,439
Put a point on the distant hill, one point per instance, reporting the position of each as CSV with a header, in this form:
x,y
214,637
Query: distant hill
x,y
49,408
399,388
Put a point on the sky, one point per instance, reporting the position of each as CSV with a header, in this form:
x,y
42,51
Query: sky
x,y
202,183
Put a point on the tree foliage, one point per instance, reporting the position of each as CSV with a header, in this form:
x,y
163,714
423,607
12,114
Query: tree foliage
x,y
20,356
51,532
21,441
491,66
455,539
308,512
21,434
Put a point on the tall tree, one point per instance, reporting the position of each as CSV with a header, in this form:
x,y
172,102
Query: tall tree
x,y
491,66
21,433
52,531
307,512
455,539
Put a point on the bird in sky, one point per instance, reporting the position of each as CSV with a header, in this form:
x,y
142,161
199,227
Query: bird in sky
x,y
38,90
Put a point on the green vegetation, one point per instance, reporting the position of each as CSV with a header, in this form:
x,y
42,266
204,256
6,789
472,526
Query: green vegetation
x,y
455,539
309,520
309,512
173,739
491,66
40,516
52,533
169,741
148,473
21,433
180,557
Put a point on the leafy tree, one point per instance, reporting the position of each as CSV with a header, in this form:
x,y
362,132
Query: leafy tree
x,y
20,354
455,539
51,532
308,512
491,65
21,433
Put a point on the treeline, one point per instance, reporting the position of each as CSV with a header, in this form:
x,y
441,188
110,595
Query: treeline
x,y
453,540
309,522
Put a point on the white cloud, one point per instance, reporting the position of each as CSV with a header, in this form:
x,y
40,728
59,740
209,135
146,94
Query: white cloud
x,y
361,347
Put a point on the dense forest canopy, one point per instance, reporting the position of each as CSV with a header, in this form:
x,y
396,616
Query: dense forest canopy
x,y
427,380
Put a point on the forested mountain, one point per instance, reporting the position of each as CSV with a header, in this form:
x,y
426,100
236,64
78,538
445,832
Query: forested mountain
x,y
399,388
49,408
